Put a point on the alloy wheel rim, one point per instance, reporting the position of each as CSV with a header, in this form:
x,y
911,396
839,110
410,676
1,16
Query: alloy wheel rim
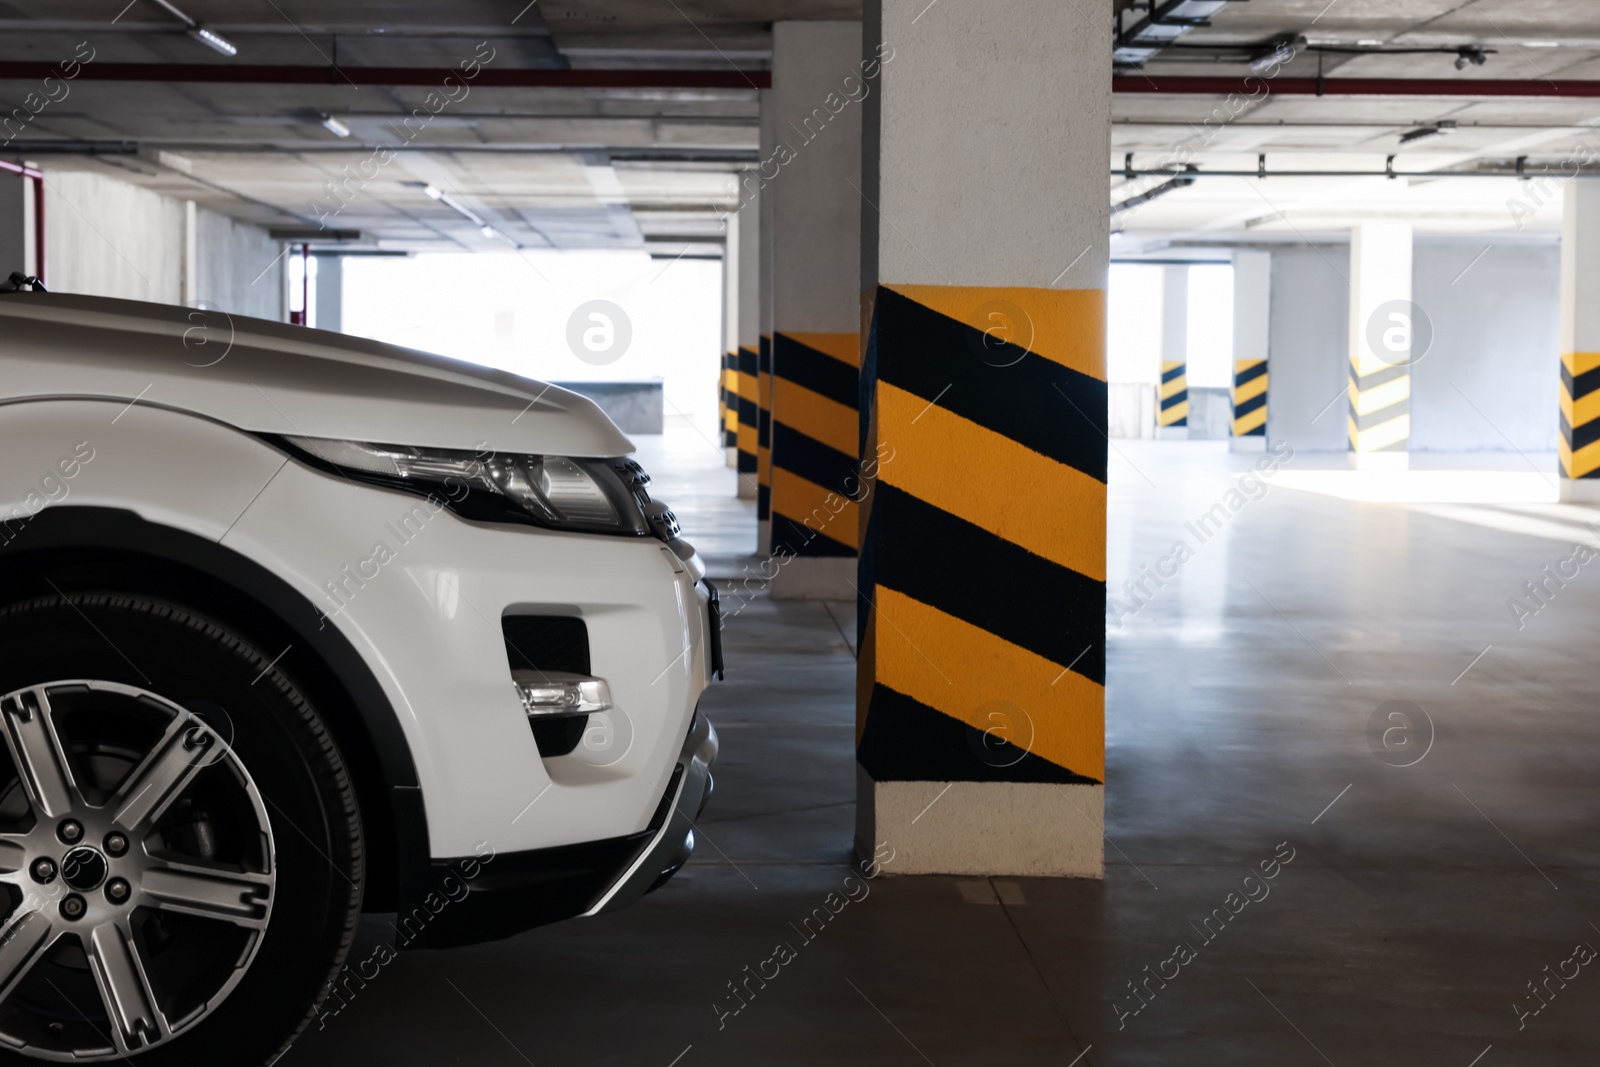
x,y
140,871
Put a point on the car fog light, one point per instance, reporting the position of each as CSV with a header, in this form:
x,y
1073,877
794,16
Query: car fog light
x,y
546,694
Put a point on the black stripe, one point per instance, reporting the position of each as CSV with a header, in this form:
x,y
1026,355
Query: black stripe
x,y
1580,436
1176,372
1041,405
1251,374
747,462
764,428
1175,399
813,370
763,501
795,538
907,741
1382,415
950,564
1378,377
1242,409
1259,431
1583,384
749,414
749,362
813,460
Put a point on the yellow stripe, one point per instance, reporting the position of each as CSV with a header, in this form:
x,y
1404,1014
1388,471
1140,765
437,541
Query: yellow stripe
x,y
798,500
962,671
1244,425
1171,364
730,419
1174,413
1584,410
992,481
747,438
1366,363
1580,362
747,387
1581,463
844,347
816,416
1253,388
1174,387
1381,436
1065,326
1386,395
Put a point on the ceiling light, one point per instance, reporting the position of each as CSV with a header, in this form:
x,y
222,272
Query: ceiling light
x,y
488,231
1369,43
434,192
335,127
1281,53
1542,44
214,40
1423,133
459,208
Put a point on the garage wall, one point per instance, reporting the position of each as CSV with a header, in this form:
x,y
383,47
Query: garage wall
x,y
1496,346
230,258
106,237
1309,356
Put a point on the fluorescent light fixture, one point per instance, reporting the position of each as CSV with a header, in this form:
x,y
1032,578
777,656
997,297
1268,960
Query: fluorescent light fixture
x,y
1542,44
459,208
1368,42
335,127
214,40
1423,133
1267,60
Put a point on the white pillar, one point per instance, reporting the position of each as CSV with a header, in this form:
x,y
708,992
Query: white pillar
x,y
1252,322
330,293
817,92
1172,408
1382,322
981,699
1580,342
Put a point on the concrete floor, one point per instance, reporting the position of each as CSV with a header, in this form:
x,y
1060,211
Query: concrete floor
x,y
1243,713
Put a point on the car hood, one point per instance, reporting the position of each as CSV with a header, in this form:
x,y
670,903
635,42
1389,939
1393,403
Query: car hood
x,y
269,377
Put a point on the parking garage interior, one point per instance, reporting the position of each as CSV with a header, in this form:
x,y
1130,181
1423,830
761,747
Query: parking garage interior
x,y
1146,452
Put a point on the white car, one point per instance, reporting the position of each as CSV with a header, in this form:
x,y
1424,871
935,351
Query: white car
x,y
293,626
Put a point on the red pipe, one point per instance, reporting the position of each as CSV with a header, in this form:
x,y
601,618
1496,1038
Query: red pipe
x,y
37,177
1254,86
421,76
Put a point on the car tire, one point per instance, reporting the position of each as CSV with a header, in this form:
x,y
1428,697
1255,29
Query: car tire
x,y
192,752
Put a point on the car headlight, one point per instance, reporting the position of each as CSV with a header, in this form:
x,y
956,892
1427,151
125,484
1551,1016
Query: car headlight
x,y
558,492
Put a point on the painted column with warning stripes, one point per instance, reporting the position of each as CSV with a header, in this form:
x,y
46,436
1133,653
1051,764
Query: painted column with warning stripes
x,y
981,613
817,87
747,358
1382,324
1580,343
1252,328
1172,395
764,346
727,384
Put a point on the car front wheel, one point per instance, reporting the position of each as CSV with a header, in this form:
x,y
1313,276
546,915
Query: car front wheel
x,y
180,848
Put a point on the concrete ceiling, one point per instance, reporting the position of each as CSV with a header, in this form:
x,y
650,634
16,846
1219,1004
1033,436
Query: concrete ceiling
x,y
625,167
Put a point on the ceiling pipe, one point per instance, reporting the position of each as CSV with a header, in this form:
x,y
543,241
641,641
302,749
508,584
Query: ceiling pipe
x,y
1184,85
1188,177
179,73
37,178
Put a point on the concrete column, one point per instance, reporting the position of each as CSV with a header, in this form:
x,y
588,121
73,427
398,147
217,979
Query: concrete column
x,y
1580,343
1382,317
1172,413
330,293
980,713
1252,330
745,371
818,91
727,379
764,350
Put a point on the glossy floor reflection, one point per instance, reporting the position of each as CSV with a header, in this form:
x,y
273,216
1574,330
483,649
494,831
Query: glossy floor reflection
x,y
1441,861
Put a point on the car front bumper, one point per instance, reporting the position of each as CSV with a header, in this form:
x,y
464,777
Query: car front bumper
x,y
480,898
